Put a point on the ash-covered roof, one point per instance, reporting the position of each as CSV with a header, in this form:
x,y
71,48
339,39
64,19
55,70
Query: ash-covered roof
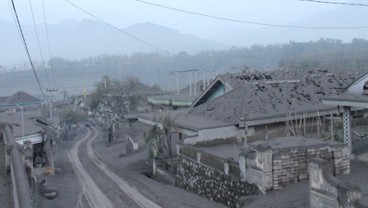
x,y
19,98
263,99
240,80
30,125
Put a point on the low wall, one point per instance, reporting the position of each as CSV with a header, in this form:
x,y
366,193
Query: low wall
x,y
22,194
326,191
211,177
164,176
213,136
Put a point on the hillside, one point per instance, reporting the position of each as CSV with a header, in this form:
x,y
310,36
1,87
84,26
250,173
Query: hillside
x,y
74,40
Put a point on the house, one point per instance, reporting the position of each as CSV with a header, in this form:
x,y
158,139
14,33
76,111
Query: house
x,y
258,106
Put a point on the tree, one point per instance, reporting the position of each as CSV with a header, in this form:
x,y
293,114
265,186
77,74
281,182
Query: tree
x,y
159,139
118,95
70,117
153,138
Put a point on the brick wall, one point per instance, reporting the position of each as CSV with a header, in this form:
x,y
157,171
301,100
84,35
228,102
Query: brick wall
x,y
272,169
290,165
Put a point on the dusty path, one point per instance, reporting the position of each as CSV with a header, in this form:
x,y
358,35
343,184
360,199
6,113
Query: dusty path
x,y
137,197
101,187
93,194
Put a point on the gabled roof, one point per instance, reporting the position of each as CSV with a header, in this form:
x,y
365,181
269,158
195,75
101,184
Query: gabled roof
x,y
357,86
264,99
232,81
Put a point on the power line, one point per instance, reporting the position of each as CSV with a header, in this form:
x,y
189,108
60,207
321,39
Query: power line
x,y
118,29
337,3
26,48
251,22
38,43
48,44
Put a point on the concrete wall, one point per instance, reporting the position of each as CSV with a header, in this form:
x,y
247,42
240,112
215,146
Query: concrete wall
x,y
258,168
211,136
164,176
326,191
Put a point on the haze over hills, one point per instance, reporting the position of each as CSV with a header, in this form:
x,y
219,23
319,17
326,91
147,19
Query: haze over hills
x,y
80,39
74,40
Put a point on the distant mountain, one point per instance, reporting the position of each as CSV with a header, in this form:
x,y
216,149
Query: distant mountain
x,y
74,40
343,16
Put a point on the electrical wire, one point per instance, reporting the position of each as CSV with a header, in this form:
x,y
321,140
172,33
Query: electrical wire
x,y
15,20
26,48
118,29
48,44
38,43
337,3
251,22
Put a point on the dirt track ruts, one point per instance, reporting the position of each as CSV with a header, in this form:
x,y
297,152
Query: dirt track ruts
x,y
93,194
130,191
104,188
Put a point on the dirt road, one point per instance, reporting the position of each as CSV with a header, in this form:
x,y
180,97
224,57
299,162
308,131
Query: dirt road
x,y
101,186
91,191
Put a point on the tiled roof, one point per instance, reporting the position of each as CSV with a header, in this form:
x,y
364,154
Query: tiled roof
x,y
264,100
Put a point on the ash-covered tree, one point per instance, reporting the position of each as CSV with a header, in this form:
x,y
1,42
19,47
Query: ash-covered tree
x,y
68,118
159,140
118,95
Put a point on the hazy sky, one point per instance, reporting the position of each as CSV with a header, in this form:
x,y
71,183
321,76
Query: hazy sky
x,y
123,13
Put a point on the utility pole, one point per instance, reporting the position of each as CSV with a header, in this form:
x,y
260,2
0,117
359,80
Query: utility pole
x,y
51,97
177,83
190,83
195,83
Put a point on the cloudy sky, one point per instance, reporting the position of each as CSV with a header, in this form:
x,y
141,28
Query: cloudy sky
x,y
123,13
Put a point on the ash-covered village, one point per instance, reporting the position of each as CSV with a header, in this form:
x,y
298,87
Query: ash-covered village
x,y
273,125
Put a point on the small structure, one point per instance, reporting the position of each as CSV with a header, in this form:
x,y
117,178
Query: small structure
x,y
170,102
355,96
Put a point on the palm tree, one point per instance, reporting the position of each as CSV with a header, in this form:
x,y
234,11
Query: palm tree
x,y
154,139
